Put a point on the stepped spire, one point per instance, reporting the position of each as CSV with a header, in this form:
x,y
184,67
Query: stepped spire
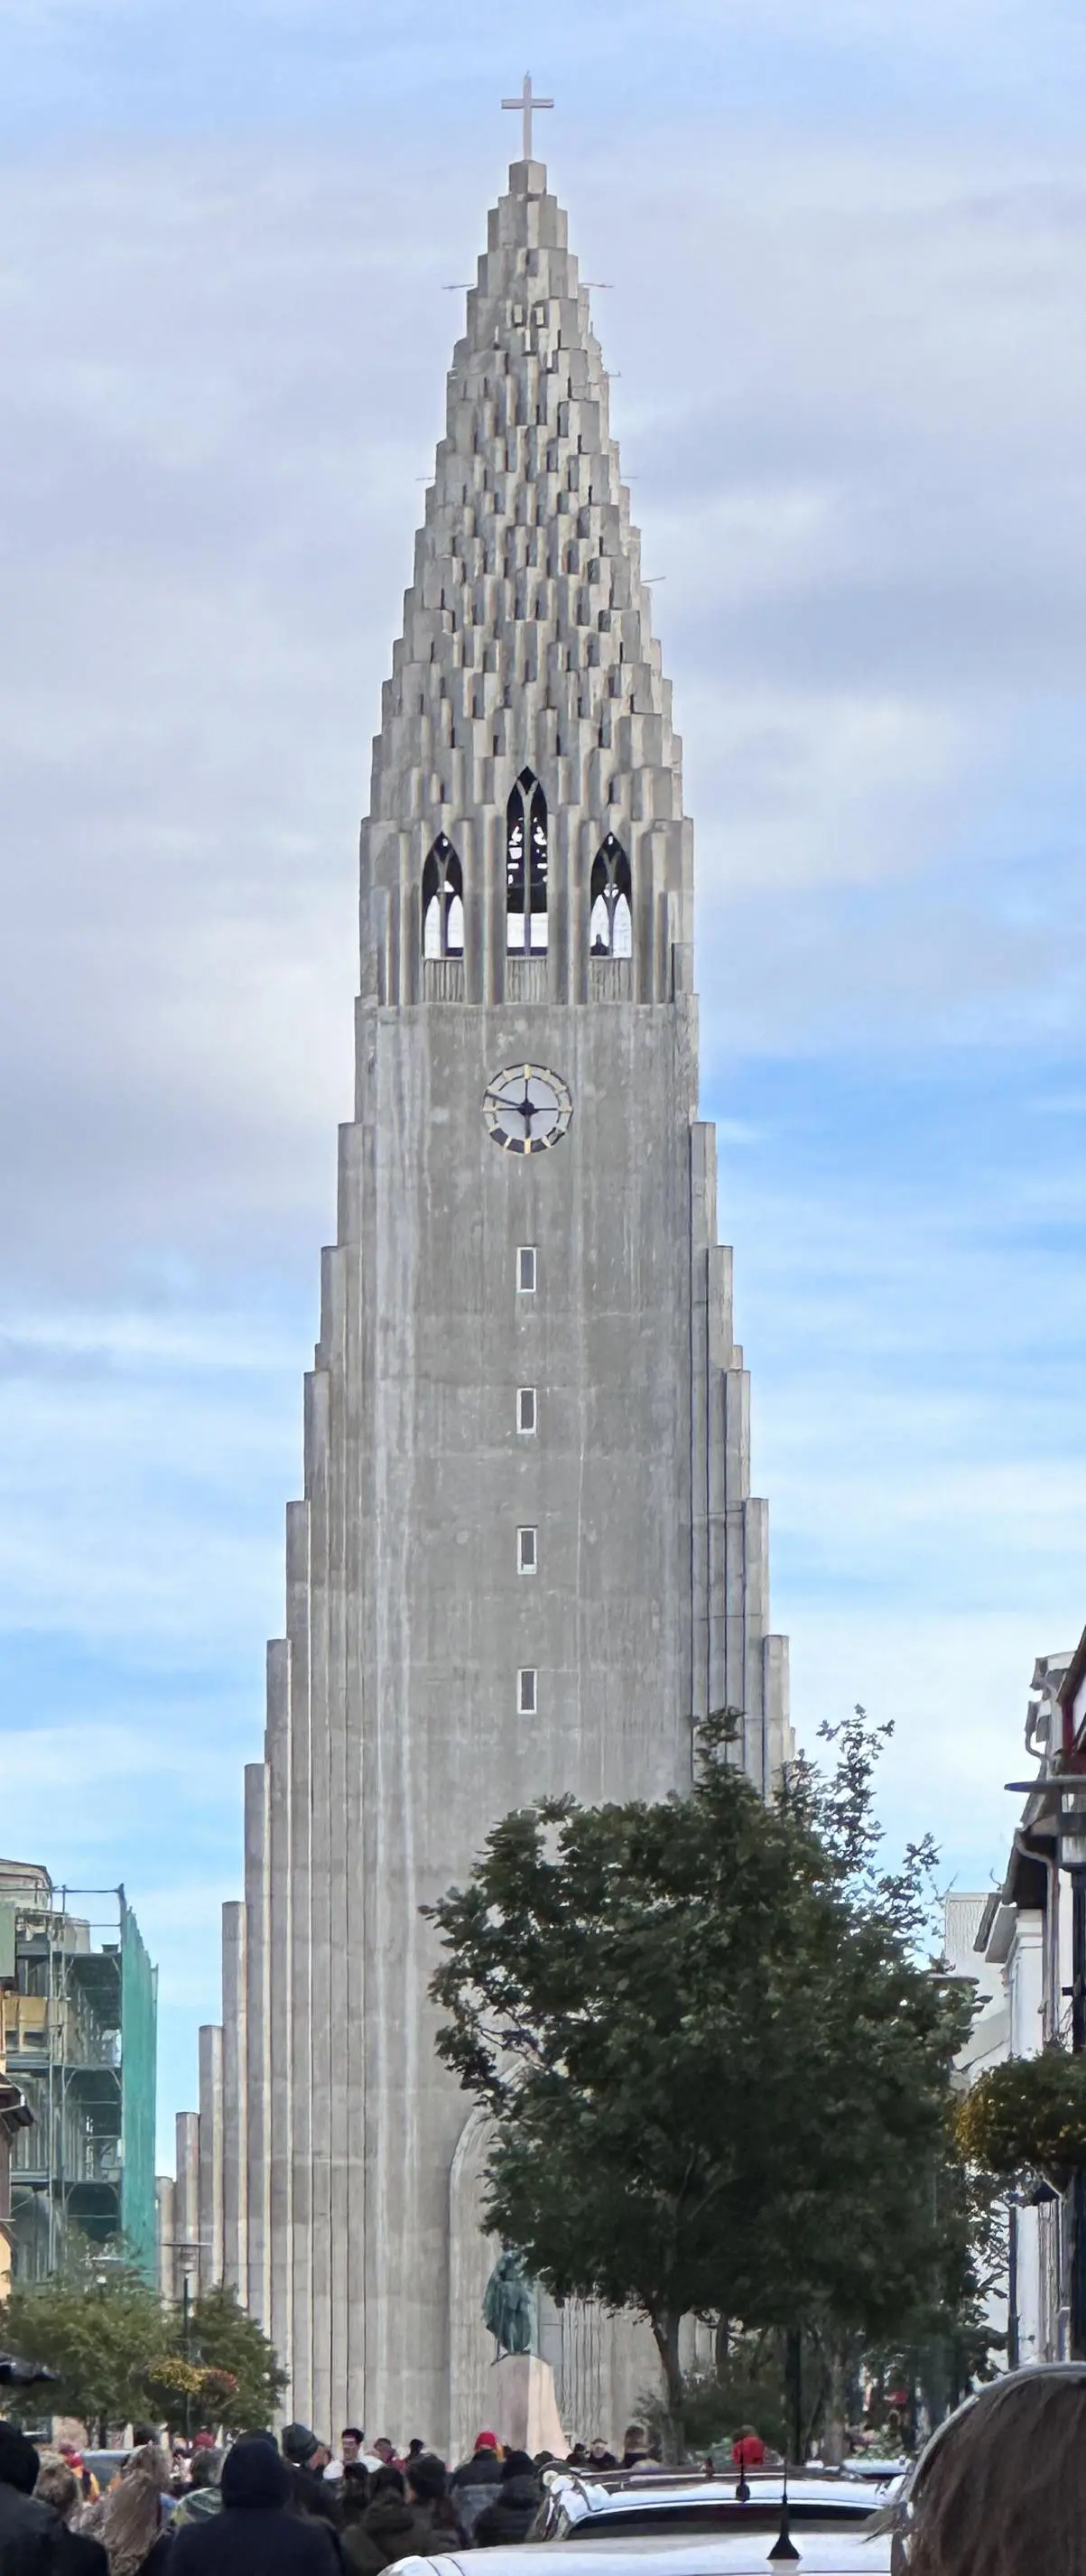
x,y
527,638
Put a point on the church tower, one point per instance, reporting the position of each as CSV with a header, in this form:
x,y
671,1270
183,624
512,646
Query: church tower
x,y
526,1557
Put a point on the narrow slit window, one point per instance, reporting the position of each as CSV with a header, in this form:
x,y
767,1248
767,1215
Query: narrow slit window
x,y
526,1270
527,1551
526,867
610,932
526,1408
527,1691
442,902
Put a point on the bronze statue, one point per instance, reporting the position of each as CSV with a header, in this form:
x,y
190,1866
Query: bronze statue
x,y
510,2308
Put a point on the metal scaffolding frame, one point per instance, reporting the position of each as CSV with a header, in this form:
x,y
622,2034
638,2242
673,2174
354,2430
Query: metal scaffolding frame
x,y
90,2080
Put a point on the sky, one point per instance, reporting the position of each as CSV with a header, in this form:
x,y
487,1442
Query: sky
x,y
840,246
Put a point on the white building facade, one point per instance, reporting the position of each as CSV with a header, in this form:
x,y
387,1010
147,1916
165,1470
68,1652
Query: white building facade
x,y
1016,1942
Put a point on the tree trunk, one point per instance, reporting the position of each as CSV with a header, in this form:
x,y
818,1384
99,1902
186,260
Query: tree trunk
x,y
665,2328
833,2436
793,2378
722,2351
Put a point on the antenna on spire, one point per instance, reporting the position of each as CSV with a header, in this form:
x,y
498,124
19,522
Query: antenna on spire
x,y
527,104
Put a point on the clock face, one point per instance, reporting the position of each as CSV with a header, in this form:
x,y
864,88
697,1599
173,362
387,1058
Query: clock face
x,y
527,1108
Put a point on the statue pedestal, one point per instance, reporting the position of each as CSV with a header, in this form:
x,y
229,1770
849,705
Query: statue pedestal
x,y
525,2406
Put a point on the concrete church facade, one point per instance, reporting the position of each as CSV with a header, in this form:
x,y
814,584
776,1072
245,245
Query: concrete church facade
x,y
527,1556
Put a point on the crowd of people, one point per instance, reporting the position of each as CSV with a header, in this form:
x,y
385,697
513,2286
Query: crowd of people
x,y
999,2490
286,2508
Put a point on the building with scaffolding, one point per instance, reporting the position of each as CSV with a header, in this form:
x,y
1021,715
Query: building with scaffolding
x,y
79,2003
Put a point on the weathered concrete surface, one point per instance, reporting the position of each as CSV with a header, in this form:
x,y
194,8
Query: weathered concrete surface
x,y
350,2211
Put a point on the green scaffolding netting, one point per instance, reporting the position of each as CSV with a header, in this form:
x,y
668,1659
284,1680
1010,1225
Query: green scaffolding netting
x,y
139,2045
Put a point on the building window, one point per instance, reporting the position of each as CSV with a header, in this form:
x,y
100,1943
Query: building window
x,y
526,1270
526,1409
610,929
527,1691
442,902
527,1551
526,866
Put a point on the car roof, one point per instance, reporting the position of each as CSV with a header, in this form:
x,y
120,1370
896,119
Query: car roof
x,y
582,2497
824,2553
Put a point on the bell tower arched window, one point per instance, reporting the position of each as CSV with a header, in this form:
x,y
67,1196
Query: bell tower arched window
x,y
526,867
442,902
610,930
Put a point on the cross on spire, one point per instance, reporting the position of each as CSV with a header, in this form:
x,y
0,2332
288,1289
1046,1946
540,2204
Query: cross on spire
x,y
527,103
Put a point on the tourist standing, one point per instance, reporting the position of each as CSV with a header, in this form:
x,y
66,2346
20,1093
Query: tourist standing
x,y
129,2519
472,2485
28,2527
257,2533
77,2553
509,2517
391,2527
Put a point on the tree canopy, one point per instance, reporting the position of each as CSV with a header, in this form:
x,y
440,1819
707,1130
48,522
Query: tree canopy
x,y
120,2352
718,2073
94,2323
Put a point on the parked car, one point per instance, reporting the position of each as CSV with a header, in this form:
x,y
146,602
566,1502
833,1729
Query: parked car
x,y
104,2465
671,2507
821,2553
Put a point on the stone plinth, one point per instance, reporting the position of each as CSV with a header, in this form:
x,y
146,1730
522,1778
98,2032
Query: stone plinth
x,y
525,2407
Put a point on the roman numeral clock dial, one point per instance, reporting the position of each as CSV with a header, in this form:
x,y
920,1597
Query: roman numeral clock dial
x,y
527,1109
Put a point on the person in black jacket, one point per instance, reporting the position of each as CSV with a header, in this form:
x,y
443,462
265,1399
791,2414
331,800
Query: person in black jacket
x,y
516,2502
256,2533
29,2529
78,2554
391,2527
472,2485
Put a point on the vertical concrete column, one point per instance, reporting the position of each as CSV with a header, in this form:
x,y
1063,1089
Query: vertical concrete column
x,y
332,1849
187,2198
702,1211
210,2150
281,2037
235,2077
776,1711
305,1897
166,2221
258,2066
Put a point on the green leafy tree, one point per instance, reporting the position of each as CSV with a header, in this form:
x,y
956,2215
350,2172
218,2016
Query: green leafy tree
x,y
96,2324
120,2353
230,2348
719,2077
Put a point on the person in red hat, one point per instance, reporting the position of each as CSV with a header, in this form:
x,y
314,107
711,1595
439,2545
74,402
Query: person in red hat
x,y
472,2485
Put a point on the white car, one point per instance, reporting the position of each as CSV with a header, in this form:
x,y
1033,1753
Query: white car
x,y
819,2553
666,2508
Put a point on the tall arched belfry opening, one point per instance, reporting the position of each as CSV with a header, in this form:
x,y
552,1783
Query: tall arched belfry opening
x,y
526,1558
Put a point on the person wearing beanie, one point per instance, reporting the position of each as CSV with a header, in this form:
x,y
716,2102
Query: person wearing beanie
x,y
513,2507
29,2528
257,2532
307,2458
